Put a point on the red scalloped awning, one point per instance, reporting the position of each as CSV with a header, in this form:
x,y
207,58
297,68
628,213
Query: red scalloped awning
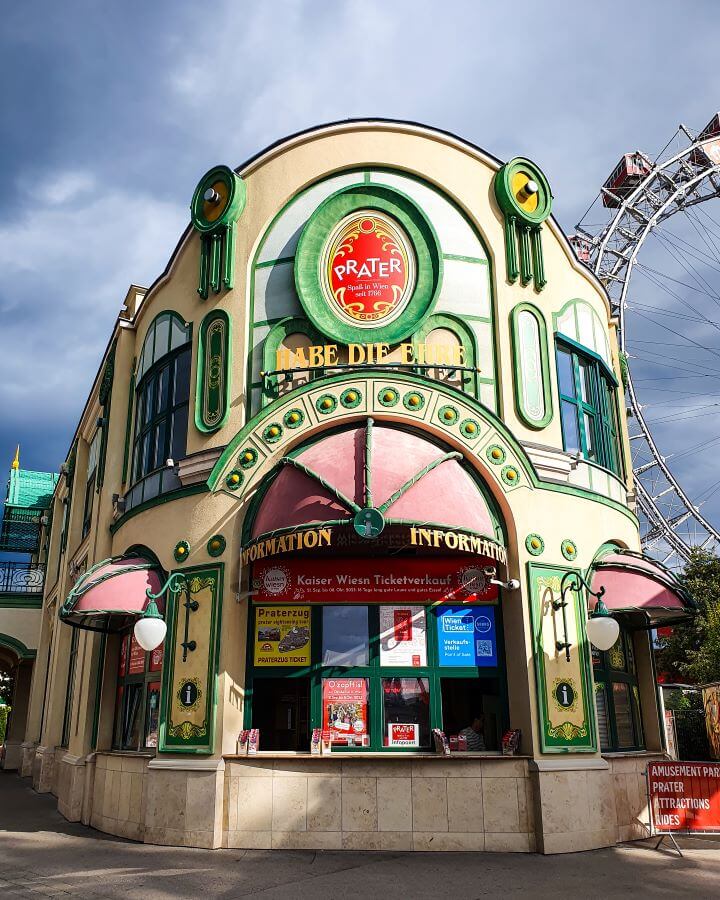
x,y
447,496
635,584
111,596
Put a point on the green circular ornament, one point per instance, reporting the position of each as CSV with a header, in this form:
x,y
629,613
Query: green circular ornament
x,y
523,191
470,428
273,433
234,479
293,418
351,398
534,544
181,551
568,549
510,475
369,522
326,404
388,396
414,401
216,545
247,458
496,454
218,200
448,415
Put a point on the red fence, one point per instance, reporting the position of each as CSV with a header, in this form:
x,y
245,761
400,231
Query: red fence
x,y
684,797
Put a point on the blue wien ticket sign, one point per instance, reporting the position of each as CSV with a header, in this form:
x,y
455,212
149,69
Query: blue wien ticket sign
x,y
466,636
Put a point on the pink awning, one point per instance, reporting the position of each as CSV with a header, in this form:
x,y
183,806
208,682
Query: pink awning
x,y
110,596
635,584
447,496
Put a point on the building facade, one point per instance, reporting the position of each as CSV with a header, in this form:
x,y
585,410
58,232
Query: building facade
x,y
363,441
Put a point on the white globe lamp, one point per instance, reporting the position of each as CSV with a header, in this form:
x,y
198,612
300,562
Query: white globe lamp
x,y
602,630
150,628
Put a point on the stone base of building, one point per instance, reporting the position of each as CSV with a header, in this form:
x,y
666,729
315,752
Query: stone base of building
x,y
502,804
28,756
12,760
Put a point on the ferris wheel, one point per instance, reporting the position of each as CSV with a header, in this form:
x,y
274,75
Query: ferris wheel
x,y
667,303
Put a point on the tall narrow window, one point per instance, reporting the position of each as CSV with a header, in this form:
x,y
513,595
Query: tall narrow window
x,y
588,407
617,698
92,465
72,660
161,408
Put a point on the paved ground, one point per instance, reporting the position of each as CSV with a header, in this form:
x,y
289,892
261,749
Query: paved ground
x,y
42,855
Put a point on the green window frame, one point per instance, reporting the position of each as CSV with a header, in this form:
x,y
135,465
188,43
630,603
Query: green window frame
x,y
90,482
70,689
137,699
376,674
588,406
617,697
162,402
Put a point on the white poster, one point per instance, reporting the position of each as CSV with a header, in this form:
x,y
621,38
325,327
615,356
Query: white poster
x,y
402,636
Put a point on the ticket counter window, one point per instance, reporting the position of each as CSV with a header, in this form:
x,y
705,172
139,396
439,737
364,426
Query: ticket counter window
x,y
281,710
345,636
473,702
406,712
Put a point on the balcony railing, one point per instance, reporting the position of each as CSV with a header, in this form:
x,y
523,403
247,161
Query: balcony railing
x,y
22,578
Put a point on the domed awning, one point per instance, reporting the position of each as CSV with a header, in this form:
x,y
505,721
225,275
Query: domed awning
x,y
372,476
111,595
641,588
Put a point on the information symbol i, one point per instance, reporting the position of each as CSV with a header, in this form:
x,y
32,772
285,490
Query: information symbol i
x,y
188,693
565,694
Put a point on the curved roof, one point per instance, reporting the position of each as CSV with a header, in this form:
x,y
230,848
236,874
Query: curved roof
x,y
408,478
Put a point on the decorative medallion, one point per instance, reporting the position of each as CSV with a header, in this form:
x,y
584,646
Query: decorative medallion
x,y
414,401
326,404
294,418
470,428
510,475
388,396
534,544
367,269
368,262
496,454
351,398
189,693
216,545
247,458
217,203
212,393
565,694
523,194
369,522
181,551
272,433
234,479
448,415
568,549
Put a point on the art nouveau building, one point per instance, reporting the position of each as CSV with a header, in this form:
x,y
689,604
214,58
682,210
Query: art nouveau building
x,y
359,439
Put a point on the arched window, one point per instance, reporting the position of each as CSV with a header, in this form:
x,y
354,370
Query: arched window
x,y
162,396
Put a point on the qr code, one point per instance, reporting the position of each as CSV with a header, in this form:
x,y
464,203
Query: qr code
x,y
483,648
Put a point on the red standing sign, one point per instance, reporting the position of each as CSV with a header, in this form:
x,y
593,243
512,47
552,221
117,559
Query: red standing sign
x,y
684,796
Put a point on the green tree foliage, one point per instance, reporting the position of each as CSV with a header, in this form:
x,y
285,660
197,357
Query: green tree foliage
x,y
4,713
692,652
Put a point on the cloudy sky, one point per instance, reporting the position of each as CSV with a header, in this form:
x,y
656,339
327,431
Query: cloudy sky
x,y
112,111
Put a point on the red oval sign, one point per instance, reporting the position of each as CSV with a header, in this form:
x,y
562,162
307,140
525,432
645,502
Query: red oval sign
x,y
368,269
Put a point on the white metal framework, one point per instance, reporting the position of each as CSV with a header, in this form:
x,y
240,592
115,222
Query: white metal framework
x,y
686,173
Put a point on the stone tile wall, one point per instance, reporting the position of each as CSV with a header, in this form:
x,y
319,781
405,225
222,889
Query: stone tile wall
x,y
70,785
119,795
630,790
373,804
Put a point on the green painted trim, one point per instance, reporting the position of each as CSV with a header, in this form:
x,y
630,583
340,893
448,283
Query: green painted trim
x,y
280,261
454,257
429,261
549,744
169,743
129,423
20,601
520,369
98,691
467,339
268,323
502,183
16,646
157,501
280,331
586,351
212,402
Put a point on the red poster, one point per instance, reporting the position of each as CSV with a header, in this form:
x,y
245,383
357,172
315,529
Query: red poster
x,y
345,710
436,579
156,658
684,796
402,625
137,658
